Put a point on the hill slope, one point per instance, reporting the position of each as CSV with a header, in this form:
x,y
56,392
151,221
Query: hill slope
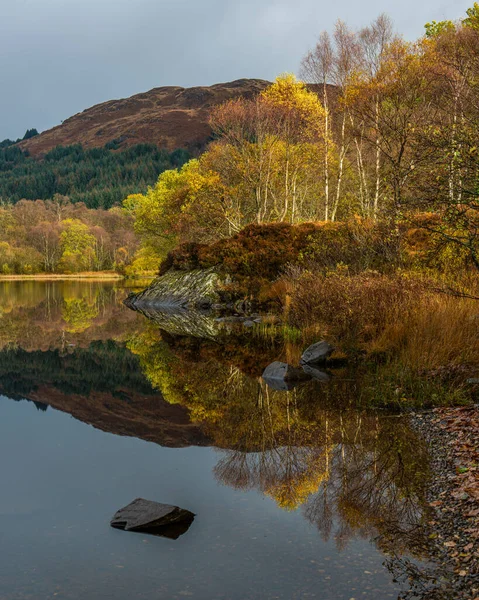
x,y
170,117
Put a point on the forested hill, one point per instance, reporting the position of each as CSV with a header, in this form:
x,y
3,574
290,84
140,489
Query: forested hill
x,y
169,117
99,177
117,148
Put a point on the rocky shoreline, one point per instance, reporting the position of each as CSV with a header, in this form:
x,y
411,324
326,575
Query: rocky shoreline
x,y
452,434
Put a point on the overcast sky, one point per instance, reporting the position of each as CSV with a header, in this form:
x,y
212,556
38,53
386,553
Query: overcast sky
x,y
59,57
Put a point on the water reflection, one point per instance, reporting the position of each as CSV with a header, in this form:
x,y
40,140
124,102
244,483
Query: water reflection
x,y
366,477
78,362
317,449
351,472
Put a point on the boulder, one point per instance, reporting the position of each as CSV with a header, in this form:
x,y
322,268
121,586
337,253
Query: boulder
x,y
317,353
197,289
281,376
146,516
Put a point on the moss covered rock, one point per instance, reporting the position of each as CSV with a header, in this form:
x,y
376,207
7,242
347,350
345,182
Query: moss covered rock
x,y
180,289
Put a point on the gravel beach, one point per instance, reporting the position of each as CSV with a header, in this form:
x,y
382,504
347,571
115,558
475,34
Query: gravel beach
x,y
453,438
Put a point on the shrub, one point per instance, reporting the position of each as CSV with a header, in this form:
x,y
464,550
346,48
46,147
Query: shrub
x,y
266,249
185,257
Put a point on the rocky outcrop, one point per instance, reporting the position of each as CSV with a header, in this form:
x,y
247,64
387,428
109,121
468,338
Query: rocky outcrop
x,y
176,290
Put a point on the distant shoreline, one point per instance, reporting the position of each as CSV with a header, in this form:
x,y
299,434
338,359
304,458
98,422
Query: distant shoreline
x,y
59,276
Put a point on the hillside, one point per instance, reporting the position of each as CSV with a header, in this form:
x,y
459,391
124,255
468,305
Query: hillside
x,y
120,147
170,117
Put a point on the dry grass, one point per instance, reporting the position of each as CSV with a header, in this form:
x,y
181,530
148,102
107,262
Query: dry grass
x,y
394,317
441,332
352,311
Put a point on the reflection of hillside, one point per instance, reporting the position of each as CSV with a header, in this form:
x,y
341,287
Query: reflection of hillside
x,y
149,418
57,349
101,385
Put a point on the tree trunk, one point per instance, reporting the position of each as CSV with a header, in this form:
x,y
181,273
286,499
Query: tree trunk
x,y
378,164
342,156
326,152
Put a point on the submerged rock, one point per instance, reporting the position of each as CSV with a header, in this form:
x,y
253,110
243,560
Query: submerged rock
x,y
146,516
317,353
281,376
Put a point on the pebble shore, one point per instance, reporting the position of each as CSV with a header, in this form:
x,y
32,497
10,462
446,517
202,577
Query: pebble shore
x,y
453,495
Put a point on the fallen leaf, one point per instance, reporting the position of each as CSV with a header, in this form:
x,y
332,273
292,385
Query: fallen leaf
x,y
468,547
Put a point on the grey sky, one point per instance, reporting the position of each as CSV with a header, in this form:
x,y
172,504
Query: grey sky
x,y
59,57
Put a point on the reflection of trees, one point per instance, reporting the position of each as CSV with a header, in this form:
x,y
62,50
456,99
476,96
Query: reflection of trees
x,y
62,314
157,363
289,475
377,485
364,476
78,313
349,471
105,367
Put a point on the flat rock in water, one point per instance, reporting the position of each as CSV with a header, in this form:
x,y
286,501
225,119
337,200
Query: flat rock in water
x,y
152,517
317,353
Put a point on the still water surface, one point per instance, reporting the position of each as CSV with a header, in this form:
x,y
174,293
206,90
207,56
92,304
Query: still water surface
x,y
297,494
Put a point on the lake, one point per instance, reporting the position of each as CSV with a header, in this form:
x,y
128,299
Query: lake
x,y
299,493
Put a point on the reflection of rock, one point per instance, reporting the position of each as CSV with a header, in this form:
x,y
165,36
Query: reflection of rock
x,y
146,516
183,321
315,373
235,319
281,386
179,289
281,376
317,353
